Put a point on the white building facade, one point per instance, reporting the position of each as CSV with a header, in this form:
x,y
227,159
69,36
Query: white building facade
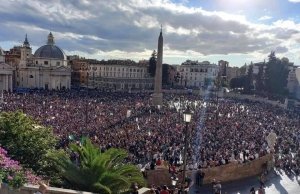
x,y
196,74
119,75
46,69
6,74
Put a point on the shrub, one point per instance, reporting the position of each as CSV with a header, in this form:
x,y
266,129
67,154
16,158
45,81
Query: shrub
x,y
13,174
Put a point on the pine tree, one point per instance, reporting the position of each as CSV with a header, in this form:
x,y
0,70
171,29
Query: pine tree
x,y
276,75
152,63
165,74
249,79
260,78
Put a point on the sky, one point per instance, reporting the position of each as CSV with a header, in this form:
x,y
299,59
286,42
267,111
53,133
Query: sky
x,y
239,31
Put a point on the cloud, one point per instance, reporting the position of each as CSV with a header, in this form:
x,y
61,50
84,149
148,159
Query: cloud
x,y
266,17
119,28
281,49
294,1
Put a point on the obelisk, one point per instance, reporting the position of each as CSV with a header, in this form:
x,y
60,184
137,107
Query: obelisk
x,y
157,96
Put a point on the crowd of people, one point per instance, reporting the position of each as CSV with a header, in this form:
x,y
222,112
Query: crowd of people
x,y
233,131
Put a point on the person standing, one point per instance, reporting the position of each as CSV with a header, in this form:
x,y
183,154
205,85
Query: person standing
x,y
164,190
199,178
252,190
217,187
261,190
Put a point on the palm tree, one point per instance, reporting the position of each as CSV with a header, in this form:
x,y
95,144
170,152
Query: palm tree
x,y
99,172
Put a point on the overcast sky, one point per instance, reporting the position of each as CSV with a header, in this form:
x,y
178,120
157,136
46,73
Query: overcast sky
x,y
238,31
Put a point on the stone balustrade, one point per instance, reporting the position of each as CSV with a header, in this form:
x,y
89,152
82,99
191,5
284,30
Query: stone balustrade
x,y
31,189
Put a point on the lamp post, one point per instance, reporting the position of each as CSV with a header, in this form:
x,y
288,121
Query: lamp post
x,y
187,116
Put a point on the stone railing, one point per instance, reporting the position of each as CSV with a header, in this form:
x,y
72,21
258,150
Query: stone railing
x,y
31,189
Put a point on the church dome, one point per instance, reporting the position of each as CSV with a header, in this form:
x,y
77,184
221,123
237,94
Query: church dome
x,y
50,50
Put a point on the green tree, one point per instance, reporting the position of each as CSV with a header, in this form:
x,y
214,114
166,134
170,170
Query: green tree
x,y
260,85
248,83
152,64
238,82
165,74
99,172
243,69
276,75
27,141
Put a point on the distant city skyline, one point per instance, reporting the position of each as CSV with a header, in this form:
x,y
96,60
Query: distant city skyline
x,y
204,30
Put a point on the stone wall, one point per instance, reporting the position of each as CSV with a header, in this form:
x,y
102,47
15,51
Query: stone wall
x,y
224,173
231,172
30,189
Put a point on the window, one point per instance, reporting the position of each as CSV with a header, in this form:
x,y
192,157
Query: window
x,y
31,76
36,62
45,62
57,63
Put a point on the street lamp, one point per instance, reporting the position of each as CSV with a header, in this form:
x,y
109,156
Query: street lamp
x,y
174,181
187,116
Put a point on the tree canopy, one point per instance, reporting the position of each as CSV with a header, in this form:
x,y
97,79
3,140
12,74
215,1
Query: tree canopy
x,y
27,141
165,74
276,75
152,63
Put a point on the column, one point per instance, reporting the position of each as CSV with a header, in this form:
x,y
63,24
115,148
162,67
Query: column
x,y
1,82
10,83
6,82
